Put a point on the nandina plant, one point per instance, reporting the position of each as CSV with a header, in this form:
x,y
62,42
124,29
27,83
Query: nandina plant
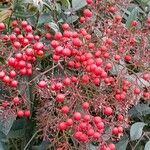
x,y
90,81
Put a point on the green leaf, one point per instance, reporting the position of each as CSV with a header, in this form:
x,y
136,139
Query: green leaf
x,y
53,26
72,19
136,130
140,109
122,144
65,4
147,146
78,4
1,146
133,16
46,17
6,123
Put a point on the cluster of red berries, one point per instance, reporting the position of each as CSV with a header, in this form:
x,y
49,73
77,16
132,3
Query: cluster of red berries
x,y
86,96
23,49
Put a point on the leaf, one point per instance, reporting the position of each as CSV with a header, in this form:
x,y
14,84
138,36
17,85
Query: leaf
x,y
53,26
141,109
1,146
44,18
147,146
78,4
122,144
65,4
7,122
72,19
5,14
133,16
136,130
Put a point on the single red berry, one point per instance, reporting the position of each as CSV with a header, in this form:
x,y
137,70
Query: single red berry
x,y
87,13
146,76
112,146
85,105
115,131
27,113
16,100
2,74
65,109
96,135
89,1
108,111
6,79
69,122
24,23
14,83
42,84
65,26
77,116
120,117
20,113
137,91
90,132
2,26
48,36
60,97
62,126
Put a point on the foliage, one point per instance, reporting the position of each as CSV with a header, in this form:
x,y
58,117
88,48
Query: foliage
x,y
74,66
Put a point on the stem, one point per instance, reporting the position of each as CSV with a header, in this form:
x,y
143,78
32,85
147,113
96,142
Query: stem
x,y
30,140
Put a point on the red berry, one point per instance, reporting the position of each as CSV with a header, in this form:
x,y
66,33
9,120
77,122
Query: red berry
x,y
14,83
87,13
90,132
137,91
24,23
77,116
6,79
38,46
146,76
2,26
2,74
27,113
48,36
65,109
120,117
20,113
58,36
28,28
65,26
16,100
96,135
62,126
69,122
108,111
89,1
60,97
115,130
42,84
112,146
85,105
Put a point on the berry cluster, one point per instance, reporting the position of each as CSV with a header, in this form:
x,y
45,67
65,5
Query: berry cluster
x,y
86,93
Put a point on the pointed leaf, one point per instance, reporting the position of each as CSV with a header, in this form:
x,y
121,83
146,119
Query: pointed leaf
x,y
136,130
